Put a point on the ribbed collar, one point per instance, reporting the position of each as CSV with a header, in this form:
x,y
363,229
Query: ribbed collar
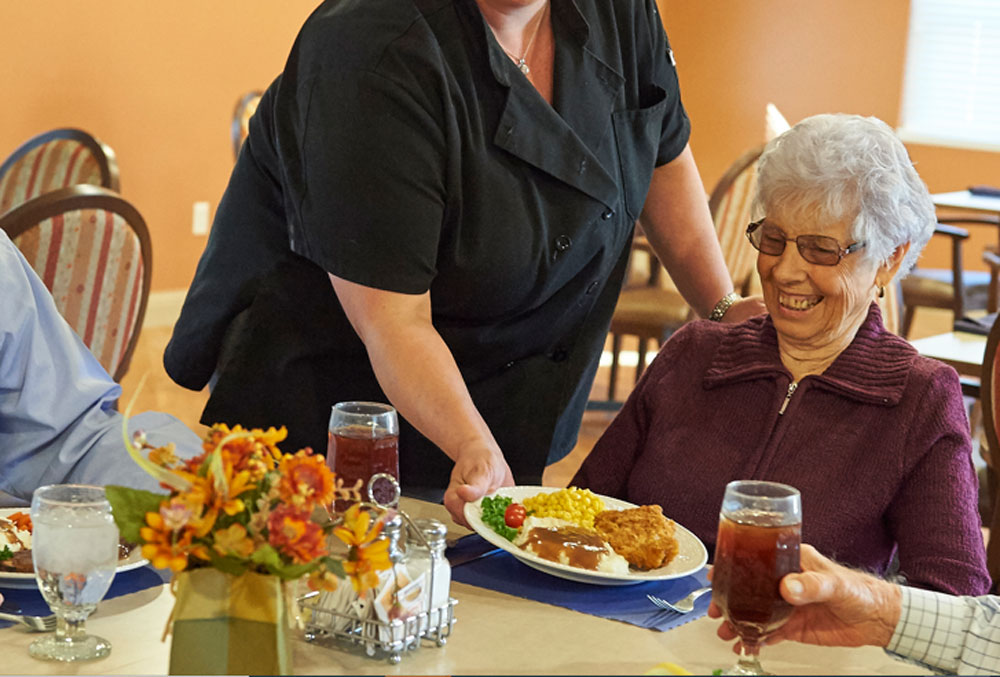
x,y
873,368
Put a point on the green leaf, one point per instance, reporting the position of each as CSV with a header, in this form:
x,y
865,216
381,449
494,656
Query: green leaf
x,y
129,507
293,571
228,564
6,553
267,556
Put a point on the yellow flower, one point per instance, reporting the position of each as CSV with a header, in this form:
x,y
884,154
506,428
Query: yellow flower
x,y
364,562
162,548
233,541
321,579
354,529
164,456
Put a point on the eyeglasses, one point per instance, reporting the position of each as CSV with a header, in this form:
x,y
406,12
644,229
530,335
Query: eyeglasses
x,y
819,249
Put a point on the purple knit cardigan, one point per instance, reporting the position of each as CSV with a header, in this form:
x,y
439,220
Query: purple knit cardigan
x,y
878,445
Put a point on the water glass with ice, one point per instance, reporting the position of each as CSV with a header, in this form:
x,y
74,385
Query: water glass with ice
x,y
74,548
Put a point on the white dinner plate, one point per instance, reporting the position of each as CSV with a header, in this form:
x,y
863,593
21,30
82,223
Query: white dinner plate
x,y
691,552
9,579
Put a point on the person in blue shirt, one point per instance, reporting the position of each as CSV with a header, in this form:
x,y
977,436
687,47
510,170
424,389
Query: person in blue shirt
x,y
58,422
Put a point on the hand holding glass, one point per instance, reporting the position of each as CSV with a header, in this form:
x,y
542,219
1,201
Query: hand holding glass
x,y
74,548
364,441
760,530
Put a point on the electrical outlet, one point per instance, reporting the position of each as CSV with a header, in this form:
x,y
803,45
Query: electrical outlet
x,y
199,218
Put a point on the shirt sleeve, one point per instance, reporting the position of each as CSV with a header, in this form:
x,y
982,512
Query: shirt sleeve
x,y
370,198
676,128
57,418
952,635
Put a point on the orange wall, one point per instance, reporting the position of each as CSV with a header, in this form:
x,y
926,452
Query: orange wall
x,y
735,56
158,81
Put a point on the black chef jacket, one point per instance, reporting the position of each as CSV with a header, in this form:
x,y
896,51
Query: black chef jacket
x,y
401,149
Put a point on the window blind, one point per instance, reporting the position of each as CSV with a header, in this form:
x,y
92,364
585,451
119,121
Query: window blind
x,y
951,86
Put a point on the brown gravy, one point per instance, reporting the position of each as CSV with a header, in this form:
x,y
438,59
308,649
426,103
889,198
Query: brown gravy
x,y
583,549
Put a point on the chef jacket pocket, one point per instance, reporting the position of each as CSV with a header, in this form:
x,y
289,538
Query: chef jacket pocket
x,y
638,135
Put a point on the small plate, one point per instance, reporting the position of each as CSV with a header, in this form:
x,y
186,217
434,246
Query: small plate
x,y
691,552
10,579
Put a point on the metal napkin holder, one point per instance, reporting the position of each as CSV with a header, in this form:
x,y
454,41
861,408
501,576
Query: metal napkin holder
x,y
391,639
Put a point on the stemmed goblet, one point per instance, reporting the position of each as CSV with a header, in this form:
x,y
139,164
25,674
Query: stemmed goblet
x,y
74,548
760,531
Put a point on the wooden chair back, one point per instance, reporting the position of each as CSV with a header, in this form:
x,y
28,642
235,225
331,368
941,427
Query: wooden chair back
x,y
92,250
730,204
239,128
56,159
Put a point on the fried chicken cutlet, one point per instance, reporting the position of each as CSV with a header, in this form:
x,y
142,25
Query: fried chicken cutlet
x,y
641,535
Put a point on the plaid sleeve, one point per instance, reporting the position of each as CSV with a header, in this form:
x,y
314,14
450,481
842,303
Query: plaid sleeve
x,y
954,635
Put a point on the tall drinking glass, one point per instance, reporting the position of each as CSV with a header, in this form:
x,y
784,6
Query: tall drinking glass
x,y
364,441
74,547
760,530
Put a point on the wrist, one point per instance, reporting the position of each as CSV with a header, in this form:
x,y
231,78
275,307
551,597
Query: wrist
x,y
720,309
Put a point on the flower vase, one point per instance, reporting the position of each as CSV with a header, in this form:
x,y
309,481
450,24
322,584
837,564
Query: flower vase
x,y
225,624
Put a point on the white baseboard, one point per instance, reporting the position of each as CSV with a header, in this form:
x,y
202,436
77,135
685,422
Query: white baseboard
x,y
164,307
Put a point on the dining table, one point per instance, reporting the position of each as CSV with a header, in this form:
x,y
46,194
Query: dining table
x,y
494,633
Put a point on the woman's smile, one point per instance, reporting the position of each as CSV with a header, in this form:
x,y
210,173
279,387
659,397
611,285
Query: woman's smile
x,y
798,302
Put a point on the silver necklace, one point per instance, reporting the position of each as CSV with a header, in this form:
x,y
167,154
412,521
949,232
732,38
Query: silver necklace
x,y
520,60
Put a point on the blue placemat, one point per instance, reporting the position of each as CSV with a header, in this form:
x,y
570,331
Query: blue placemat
x,y
30,601
504,573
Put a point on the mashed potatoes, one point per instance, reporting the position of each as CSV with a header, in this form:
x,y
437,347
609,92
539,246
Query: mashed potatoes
x,y
566,543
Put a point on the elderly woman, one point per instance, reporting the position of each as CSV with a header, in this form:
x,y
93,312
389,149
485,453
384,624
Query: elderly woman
x,y
817,393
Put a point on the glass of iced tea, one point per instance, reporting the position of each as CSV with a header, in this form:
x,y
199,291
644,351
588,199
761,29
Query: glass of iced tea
x,y
364,441
760,530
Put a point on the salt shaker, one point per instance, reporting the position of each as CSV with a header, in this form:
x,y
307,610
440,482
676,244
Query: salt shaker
x,y
430,558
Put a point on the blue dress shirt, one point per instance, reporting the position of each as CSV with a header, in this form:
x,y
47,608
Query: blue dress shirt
x,y
57,418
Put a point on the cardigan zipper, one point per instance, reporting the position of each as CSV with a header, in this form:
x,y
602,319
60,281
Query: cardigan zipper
x,y
791,391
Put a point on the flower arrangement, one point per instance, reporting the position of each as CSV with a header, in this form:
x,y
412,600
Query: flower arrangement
x,y
244,506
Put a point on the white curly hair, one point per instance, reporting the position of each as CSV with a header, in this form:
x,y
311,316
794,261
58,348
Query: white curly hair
x,y
836,167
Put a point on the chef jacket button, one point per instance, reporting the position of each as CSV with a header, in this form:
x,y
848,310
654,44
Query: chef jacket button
x,y
583,166
509,131
563,242
592,287
509,365
608,214
559,355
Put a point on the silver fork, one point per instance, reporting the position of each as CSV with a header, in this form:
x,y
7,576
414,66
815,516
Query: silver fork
x,y
682,606
34,623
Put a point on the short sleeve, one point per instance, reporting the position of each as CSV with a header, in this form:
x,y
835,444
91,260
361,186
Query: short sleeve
x,y
676,128
369,202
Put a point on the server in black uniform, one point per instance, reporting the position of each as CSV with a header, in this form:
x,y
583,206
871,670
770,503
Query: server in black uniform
x,y
467,174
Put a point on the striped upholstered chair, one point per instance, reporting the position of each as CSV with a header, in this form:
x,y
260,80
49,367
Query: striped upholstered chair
x,y
52,160
653,309
92,250
239,128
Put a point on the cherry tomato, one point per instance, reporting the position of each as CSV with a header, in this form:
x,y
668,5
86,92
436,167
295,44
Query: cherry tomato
x,y
514,515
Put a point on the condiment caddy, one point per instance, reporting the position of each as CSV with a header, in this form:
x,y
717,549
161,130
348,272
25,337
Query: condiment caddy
x,y
410,604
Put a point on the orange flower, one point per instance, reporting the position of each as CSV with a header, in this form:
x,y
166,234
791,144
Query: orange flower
x,y
306,481
294,534
21,520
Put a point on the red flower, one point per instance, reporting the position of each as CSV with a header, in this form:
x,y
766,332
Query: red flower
x,y
293,533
